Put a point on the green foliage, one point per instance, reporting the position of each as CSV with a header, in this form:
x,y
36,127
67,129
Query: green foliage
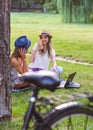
x,y
75,11
19,1
39,1
91,18
59,6
50,5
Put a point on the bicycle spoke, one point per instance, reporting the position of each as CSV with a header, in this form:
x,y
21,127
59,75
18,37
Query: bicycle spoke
x,y
86,121
69,124
75,122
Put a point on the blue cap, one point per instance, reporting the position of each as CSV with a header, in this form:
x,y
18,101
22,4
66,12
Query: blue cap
x,y
22,42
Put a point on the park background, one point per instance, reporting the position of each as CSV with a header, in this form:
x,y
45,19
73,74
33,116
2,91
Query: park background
x,y
72,41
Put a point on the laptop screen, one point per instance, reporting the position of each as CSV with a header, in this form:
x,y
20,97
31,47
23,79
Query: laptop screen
x,y
69,79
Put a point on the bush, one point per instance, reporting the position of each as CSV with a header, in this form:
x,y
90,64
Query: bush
x,y
91,18
50,5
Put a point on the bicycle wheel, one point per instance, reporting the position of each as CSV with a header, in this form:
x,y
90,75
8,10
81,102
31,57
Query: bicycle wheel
x,y
70,117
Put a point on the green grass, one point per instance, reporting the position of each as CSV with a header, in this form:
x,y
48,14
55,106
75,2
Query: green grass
x,y
73,41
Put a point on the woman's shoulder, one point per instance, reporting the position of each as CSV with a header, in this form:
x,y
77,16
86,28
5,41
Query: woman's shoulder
x,y
14,61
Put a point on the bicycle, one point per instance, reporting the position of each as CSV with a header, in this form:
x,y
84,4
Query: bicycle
x,y
72,115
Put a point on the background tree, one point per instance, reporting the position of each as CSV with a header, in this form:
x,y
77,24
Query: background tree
x,y
24,5
5,91
51,5
76,11
19,5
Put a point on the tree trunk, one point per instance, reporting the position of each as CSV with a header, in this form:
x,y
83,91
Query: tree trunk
x,y
5,91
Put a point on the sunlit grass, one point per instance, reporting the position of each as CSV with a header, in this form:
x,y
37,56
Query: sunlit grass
x,y
74,41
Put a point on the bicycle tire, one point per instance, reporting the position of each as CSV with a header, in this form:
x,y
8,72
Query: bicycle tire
x,y
73,116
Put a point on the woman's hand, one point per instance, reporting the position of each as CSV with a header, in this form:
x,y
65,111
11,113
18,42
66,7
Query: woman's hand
x,y
55,69
33,53
40,46
22,52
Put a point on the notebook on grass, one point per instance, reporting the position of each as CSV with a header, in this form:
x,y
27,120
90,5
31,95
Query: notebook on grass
x,y
68,83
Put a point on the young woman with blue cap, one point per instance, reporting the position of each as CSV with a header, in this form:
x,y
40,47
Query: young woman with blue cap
x,y
18,61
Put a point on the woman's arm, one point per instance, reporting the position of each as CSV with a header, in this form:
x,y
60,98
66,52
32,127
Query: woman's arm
x,y
24,63
32,57
54,64
20,63
22,85
36,48
16,64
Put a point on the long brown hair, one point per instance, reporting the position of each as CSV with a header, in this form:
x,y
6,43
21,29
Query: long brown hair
x,y
49,47
15,54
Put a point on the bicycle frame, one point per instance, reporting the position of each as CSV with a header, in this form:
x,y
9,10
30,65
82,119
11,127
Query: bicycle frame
x,y
32,110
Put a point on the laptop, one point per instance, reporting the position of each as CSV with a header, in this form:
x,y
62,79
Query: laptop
x,y
65,83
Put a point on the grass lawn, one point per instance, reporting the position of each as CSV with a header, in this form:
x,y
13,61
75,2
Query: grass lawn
x,y
73,41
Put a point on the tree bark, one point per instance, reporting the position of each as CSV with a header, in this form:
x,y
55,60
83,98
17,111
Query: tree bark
x,y
5,82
